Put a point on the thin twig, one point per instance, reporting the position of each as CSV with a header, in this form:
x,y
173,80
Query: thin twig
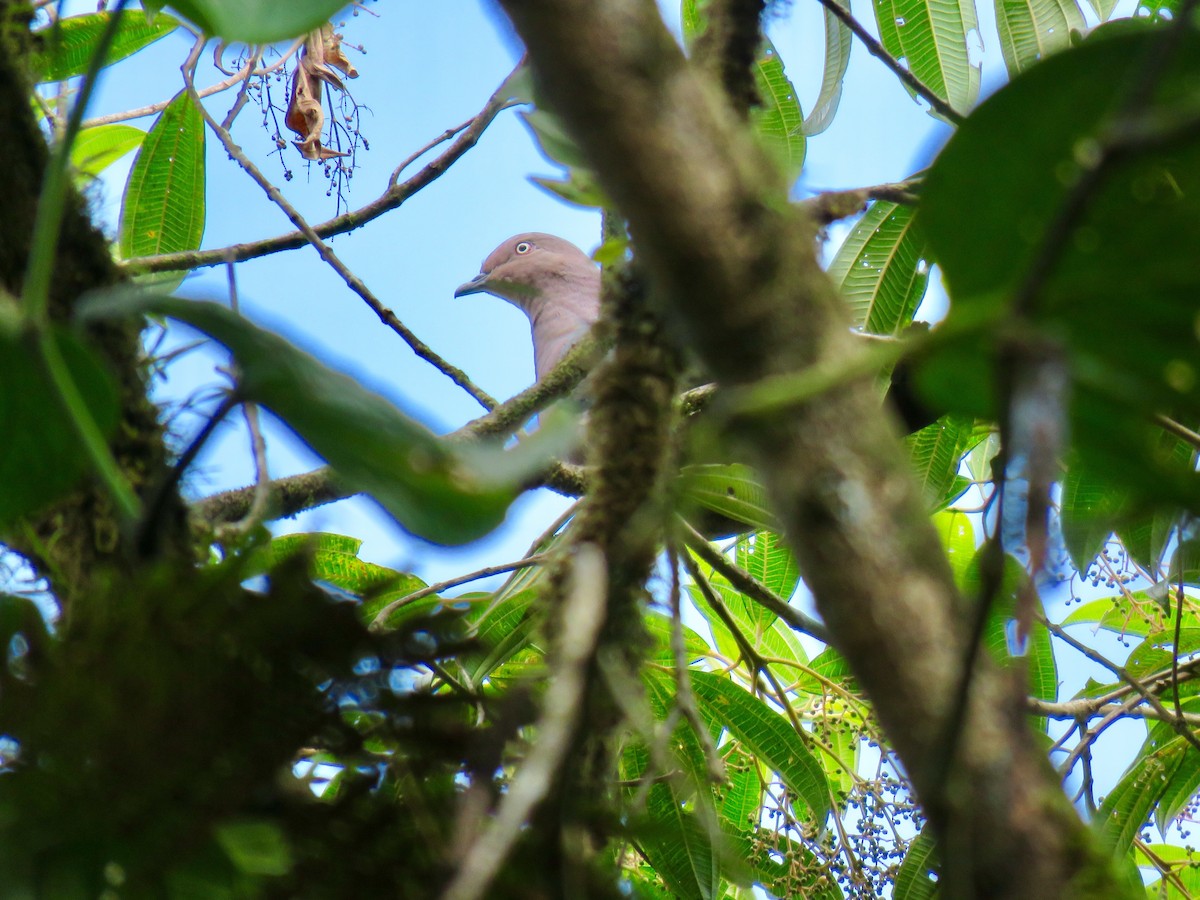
x,y
380,620
391,198
684,698
562,708
1179,430
1179,726
1067,710
389,318
876,49
751,586
154,108
258,447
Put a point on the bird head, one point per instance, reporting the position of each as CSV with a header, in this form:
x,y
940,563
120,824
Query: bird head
x,y
534,270
552,281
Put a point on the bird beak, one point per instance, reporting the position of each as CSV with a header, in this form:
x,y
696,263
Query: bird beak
x,y
477,285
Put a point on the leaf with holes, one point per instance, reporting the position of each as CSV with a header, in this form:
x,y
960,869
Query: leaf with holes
x,y
929,38
1030,30
881,269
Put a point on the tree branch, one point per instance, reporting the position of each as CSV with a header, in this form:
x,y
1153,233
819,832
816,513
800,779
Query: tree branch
x,y
394,196
294,494
389,318
734,265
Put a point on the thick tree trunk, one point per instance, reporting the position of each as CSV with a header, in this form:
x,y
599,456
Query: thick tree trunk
x,y
79,536
736,265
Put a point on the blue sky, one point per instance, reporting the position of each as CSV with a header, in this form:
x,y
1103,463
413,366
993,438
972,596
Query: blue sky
x,y
424,69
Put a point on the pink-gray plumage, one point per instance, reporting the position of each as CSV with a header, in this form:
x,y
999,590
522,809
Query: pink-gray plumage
x,y
552,281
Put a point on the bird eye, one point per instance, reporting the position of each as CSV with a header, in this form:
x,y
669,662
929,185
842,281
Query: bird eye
x,y
524,247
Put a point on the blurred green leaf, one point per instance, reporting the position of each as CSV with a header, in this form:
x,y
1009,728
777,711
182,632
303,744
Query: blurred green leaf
x,y
426,484
1127,360
1030,30
163,207
730,490
838,42
881,269
1145,538
256,848
254,21
1087,510
929,38
958,537
936,452
95,149
67,47
1185,563
41,456
766,556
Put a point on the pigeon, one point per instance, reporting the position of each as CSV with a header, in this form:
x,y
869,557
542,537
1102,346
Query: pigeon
x,y
550,280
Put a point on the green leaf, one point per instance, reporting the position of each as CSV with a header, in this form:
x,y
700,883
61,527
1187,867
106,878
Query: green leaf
x,y
913,881
740,799
553,140
766,556
1037,661
579,188
334,560
659,627
678,844
1121,375
95,149
1145,538
1185,563
1104,8
1118,614
41,456
769,736
256,847
881,269
761,627
163,208
1183,784
68,46
503,630
257,21
1087,511
838,42
731,490
434,489
929,37
1030,30
936,452
778,120
958,537
1128,806
681,851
